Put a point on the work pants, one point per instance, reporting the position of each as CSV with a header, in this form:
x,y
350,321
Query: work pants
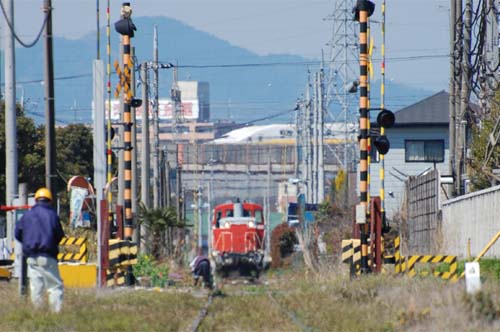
x,y
43,272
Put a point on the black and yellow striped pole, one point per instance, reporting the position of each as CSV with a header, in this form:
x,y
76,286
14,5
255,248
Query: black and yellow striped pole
x,y
363,10
126,27
109,151
382,128
369,142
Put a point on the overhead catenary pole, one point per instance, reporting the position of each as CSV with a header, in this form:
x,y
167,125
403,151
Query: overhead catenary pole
x,y
363,127
11,163
50,135
156,130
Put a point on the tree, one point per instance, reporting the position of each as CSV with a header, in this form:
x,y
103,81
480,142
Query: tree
x,y
480,169
158,222
74,149
74,152
30,149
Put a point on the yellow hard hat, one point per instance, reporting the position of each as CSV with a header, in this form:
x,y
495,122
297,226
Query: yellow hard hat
x,y
43,193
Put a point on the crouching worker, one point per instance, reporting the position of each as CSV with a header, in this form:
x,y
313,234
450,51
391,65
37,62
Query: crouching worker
x,y
200,266
40,232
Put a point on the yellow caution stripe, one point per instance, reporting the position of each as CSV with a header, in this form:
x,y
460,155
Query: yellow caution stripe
x,y
410,265
75,250
122,252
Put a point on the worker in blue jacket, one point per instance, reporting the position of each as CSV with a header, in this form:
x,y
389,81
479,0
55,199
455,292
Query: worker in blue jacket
x,y
40,232
200,267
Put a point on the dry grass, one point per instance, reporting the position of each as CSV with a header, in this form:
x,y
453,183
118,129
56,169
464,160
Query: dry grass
x,y
327,301
109,310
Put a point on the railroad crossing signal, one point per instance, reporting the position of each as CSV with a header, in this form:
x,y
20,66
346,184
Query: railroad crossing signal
x,y
124,82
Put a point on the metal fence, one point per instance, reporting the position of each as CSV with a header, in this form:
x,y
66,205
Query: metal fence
x,y
422,194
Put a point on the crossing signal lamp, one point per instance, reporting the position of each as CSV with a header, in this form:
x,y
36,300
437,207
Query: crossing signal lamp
x,y
382,144
363,5
386,119
136,102
125,26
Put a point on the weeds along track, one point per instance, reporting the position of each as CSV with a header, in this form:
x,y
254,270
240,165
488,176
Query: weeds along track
x,y
202,314
291,315
237,287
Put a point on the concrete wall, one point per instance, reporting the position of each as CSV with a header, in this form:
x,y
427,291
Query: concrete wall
x,y
474,216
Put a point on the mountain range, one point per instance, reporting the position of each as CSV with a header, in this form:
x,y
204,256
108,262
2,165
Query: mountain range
x,y
244,86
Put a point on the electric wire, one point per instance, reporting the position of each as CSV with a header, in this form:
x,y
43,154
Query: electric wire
x,y
13,31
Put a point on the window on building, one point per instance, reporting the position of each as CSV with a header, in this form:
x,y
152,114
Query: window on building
x,y
424,151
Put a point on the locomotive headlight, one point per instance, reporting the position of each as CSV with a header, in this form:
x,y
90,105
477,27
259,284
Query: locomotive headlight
x,y
251,224
226,225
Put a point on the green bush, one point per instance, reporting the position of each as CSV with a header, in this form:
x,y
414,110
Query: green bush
x,y
147,268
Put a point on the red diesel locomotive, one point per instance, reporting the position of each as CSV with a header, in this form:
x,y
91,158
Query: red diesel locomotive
x,y
238,237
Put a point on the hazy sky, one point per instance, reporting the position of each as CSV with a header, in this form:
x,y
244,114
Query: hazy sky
x,y
417,30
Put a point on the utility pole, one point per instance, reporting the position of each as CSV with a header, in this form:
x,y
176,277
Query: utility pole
x,y
200,216
307,145
315,142
321,127
464,98
11,166
457,92
297,133
145,146
145,165
99,150
156,128
98,29
50,135
268,208
452,110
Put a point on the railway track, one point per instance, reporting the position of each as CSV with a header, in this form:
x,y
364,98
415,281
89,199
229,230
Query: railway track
x,y
234,288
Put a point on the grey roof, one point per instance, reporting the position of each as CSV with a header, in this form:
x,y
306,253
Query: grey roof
x,y
433,110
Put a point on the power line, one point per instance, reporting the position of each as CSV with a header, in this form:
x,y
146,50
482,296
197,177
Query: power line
x,y
12,30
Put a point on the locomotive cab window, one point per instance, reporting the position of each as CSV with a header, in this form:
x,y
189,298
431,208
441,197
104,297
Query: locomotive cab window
x,y
217,219
246,213
259,217
229,213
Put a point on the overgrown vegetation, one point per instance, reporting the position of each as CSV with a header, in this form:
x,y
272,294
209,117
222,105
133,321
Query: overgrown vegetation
x,y
283,240
325,301
164,231
149,272
481,169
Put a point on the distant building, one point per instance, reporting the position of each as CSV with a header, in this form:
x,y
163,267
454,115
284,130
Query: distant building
x,y
285,134
195,104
